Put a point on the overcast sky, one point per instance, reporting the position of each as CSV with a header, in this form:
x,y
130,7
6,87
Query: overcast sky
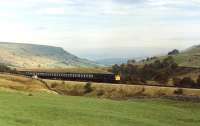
x,y
84,24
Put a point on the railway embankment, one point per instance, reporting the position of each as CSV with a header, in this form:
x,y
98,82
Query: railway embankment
x,y
92,89
122,91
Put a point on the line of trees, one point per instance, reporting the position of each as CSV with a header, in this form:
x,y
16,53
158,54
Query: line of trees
x,y
159,71
186,82
5,68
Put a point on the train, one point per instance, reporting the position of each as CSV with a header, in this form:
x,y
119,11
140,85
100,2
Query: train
x,y
90,77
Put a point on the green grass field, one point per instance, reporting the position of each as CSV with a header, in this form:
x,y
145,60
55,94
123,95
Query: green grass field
x,y
19,109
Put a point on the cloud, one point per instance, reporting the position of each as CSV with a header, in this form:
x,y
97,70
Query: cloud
x,y
52,11
100,23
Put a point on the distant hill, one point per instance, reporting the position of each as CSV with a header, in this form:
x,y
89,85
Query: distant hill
x,y
112,61
39,56
187,58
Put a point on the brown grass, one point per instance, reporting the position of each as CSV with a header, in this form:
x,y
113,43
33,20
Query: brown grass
x,y
103,90
117,90
21,83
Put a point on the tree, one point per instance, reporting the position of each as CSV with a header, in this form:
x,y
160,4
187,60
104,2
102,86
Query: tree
x,y
87,87
169,62
131,61
162,77
198,82
176,82
4,68
187,82
174,52
116,69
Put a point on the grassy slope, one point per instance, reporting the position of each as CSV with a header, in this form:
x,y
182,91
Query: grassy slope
x,y
39,56
20,83
188,58
55,110
117,91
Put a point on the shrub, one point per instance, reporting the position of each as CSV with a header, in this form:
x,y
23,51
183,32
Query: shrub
x,y
87,87
30,94
174,52
53,85
198,82
176,81
187,82
100,93
63,82
178,91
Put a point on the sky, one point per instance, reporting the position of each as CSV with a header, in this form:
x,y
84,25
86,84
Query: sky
x,y
79,25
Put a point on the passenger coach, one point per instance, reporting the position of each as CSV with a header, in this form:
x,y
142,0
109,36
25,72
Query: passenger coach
x,y
96,77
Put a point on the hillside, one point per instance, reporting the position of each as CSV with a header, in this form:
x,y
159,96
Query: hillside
x,y
186,58
39,56
189,57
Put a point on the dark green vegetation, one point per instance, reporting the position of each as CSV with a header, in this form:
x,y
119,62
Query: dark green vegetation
x,y
5,68
119,91
157,71
20,109
39,56
162,72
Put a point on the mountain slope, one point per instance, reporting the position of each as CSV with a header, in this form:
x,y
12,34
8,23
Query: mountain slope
x,y
187,58
36,56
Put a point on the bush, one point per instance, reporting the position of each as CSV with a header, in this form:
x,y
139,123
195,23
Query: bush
x,y
100,93
176,82
178,91
54,85
187,82
159,71
174,52
198,82
87,87
30,94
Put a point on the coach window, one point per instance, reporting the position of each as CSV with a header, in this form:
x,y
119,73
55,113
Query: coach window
x,y
91,76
